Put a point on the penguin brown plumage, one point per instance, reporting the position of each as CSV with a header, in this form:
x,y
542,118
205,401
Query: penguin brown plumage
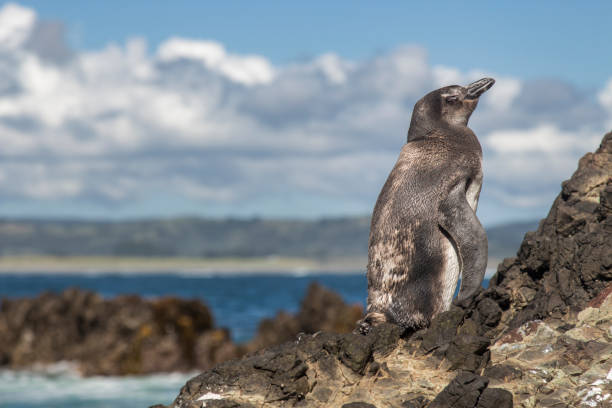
x,y
424,232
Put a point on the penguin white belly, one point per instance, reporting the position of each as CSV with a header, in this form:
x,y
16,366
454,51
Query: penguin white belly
x,y
451,272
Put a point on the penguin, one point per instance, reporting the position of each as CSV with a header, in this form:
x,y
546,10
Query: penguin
x,y
424,232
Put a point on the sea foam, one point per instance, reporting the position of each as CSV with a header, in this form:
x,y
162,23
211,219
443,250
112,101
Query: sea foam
x,y
59,385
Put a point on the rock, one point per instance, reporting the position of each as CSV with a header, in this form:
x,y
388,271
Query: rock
x,y
503,373
418,402
215,346
602,300
125,335
356,351
541,331
324,310
358,405
130,335
490,312
321,310
442,330
283,327
468,352
495,398
568,260
305,370
463,392
385,337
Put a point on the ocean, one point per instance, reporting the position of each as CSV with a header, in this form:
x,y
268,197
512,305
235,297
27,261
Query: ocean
x,y
237,302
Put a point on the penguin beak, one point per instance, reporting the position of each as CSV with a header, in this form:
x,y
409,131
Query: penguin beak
x,y
475,89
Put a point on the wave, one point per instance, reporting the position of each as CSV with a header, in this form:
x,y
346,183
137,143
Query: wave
x,y
60,386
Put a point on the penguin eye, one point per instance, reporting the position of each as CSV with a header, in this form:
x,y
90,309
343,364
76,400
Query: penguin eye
x,y
452,99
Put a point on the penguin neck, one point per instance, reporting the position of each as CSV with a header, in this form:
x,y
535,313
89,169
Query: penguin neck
x,y
461,133
417,132
419,129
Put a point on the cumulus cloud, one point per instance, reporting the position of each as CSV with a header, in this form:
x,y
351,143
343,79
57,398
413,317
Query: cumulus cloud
x,y
16,25
605,98
247,70
543,139
193,121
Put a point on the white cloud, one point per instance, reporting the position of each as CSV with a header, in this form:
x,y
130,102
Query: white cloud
x,y
193,120
247,70
605,99
503,94
16,24
335,69
545,138
605,96
444,76
523,168
500,97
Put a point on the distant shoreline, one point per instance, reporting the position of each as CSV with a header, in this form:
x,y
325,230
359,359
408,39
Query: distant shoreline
x,y
84,265
196,266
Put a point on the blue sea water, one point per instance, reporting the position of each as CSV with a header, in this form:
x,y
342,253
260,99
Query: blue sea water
x,y
238,302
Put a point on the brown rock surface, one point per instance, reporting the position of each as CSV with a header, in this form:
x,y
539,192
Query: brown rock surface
x,y
321,310
131,335
539,336
125,335
568,260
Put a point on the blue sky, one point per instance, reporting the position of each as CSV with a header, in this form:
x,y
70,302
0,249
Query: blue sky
x,y
127,109
560,39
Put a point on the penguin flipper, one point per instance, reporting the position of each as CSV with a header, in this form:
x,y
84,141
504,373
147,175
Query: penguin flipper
x,y
459,221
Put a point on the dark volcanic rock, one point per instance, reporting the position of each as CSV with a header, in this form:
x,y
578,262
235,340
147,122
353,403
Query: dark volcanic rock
x,y
495,398
468,352
358,405
285,374
568,260
541,331
130,335
356,351
418,402
321,310
463,392
442,330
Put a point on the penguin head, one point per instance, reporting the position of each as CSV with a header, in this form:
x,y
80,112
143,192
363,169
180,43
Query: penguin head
x,y
450,106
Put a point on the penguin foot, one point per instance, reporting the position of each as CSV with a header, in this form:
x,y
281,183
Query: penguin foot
x,y
370,320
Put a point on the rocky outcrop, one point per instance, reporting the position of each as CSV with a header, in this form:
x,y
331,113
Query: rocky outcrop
x,y
125,335
320,310
539,336
568,260
131,335
334,370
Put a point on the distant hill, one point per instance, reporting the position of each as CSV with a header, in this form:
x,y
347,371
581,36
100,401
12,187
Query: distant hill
x,y
212,238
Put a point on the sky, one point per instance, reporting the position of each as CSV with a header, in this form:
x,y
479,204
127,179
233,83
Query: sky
x,y
284,109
